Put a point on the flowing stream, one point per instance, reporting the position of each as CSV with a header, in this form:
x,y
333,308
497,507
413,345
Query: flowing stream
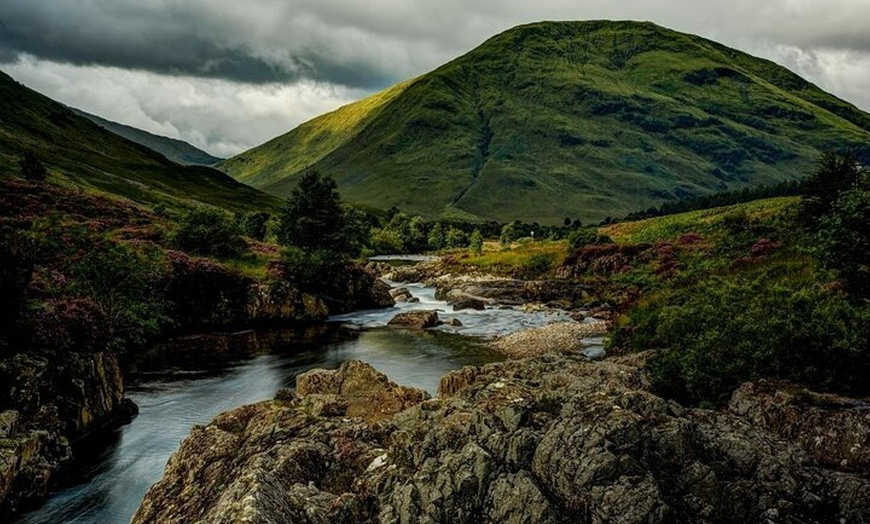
x,y
210,374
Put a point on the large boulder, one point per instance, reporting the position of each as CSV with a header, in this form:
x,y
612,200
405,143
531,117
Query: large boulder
x,y
562,337
421,319
368,394
546,439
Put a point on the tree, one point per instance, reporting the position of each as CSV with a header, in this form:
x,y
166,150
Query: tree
x,y
455,238
32,168
475,242
436,237
844,238
508,234
834,173
313,218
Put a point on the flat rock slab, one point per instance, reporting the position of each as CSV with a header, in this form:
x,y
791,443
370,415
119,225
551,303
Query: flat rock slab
x,y
563,337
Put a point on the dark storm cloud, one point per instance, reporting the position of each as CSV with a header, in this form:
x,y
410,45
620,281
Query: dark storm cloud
x,y
188,38
228,74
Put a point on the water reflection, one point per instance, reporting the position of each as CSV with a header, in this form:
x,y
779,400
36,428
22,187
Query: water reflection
x,y
204,376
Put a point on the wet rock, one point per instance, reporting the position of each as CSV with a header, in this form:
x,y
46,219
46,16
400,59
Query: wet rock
x,y
546,439
368,394
415,319
455,322
397,291
468,302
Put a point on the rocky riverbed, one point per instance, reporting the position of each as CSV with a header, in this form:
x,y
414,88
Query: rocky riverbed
x,y
546,439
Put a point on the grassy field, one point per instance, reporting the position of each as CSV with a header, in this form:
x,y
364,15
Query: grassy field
x,y
571,119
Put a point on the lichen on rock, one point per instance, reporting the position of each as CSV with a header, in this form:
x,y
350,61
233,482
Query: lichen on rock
x,y
546,439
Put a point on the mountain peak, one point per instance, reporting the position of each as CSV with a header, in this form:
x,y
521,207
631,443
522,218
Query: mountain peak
x,y
567,119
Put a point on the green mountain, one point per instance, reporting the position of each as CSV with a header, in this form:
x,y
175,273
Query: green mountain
x,y
79,153
178,151
567,119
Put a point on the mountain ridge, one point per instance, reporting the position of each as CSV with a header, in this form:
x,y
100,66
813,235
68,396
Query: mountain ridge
x,y
79,153
567,119
176,150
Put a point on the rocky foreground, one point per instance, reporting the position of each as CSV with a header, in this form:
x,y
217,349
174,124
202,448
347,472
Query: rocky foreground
x,y
547,439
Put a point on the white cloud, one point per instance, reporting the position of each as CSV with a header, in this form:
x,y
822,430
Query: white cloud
x,y
221,117
212,61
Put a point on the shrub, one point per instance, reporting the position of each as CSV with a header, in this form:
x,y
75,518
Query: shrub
x,y
208,231
32,168
254,224
725,332
475,242
586,236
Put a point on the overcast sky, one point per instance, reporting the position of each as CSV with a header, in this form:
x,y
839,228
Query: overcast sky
x,y
227,75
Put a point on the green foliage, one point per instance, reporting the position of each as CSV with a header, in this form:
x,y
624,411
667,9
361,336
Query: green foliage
x,y
475,241
32,168
585,237
254,224
727,331
208,231
844,237
16,269
511,131
834,174
313,218
455,237
508,235
436,239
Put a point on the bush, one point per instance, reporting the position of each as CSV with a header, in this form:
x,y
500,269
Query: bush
x,y
724,332
254,224
585,237
32,168
209,232
475,242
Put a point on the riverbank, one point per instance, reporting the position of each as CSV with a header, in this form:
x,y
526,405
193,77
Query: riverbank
x,y
548,439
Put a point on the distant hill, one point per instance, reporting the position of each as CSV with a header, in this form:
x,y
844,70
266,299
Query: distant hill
x,y
176,150
567,119
80,153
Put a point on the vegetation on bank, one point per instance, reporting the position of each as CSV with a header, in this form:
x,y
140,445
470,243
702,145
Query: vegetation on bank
x,y
772,288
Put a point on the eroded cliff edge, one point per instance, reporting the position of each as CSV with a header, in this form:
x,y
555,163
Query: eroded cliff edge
x,y
548,439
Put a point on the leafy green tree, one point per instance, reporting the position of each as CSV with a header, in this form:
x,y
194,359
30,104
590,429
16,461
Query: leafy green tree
x,y
585,236
844,238
208,231
508,234
455,238
313,218
436,237
834,173
32,168
475,241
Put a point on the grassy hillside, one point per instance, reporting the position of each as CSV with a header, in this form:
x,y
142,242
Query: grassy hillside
x,y
178,151
570,119
79,153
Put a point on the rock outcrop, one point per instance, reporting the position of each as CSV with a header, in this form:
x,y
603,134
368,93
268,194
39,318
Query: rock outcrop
x,y
49,403
548,439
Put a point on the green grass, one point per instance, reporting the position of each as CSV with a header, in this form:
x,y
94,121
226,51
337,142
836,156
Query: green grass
x,y
79,154
570,119
671,227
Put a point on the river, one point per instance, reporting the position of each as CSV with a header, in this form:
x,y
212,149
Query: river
x,y
215,373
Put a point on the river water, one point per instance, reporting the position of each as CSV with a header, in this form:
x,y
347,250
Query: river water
x,y
215,373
